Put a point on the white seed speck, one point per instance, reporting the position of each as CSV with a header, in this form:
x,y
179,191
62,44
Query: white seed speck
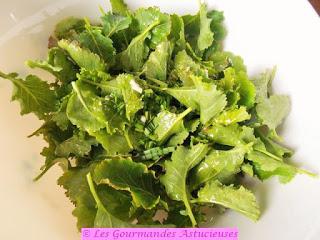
x,y
143,119
135,86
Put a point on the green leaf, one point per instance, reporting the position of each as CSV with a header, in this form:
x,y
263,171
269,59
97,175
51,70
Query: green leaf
x,y
273,110
267,164
177,215
185,95
198,30
248,169
144,17
239,88
78,145
132,59
134,177
119,6
205,38
223,60
192,28
218,29
145,217
114,110
263,83
177,33
53,135
57,64
203,97
77,189
211,100
174,180
228,82
131,94
92,113
85,109
156,65
125,87
239,199
83,57
103,218
118,203
45,66
185,67
218,161
178,138
68,27
232,116
192,125
116,143
229,86
97,43
246,90
167,124
236,62
176,218
33,94
94,77
113,23
75,184
274,147
231,135
107,86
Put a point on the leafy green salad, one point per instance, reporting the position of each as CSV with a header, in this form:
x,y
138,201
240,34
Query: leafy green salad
x,y
149,114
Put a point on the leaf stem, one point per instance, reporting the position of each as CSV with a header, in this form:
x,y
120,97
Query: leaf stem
x,y
77,91
94,192
180,117
128,139
96,84
190,213
270,155
88,27
154,87
156,81
302,171
143,34
186,112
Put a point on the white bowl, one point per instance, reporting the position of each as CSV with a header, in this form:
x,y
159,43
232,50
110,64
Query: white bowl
x,y
265,33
